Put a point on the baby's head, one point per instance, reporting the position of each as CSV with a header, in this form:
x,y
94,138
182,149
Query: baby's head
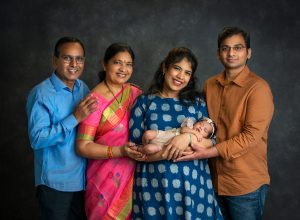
x,y
206,127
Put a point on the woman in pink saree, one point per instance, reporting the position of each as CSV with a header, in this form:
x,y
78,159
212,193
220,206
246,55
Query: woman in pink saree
x,y
103,138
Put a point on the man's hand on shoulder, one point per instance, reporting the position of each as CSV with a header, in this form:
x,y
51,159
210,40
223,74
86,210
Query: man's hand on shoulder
x,y
87,106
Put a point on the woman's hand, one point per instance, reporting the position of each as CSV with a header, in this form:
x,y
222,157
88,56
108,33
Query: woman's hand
x,y
130,150
175,147
202,151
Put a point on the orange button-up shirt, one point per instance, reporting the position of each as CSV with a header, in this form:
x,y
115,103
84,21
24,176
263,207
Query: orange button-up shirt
x,y
242,110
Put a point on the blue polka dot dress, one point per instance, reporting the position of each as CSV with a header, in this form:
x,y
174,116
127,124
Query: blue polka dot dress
x,y
165,189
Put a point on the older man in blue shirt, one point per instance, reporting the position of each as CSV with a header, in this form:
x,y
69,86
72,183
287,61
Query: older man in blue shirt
x,y
54,109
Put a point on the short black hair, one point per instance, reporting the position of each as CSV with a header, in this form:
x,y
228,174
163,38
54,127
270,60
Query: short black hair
x,y
230,31
65,40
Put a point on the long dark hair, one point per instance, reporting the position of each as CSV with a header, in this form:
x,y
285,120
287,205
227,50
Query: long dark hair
x,y
188,94
110,52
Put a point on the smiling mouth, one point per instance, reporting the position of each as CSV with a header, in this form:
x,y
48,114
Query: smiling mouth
x,y
122,75
231,59
177,83
73,70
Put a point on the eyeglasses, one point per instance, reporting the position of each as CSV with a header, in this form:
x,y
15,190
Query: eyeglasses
x,y
68,59
237,48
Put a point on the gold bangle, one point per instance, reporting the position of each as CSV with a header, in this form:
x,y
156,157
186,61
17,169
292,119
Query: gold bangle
x,y
109,152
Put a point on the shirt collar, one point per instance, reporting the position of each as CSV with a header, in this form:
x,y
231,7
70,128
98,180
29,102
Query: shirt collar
x,y
240,80
59,84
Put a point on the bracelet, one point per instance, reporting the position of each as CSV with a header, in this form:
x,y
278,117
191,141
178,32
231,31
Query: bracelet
x,y
177,131
109,152
190,144
214,142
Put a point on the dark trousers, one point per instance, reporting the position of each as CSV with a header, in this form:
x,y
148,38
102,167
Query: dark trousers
x,y
57,205
244,207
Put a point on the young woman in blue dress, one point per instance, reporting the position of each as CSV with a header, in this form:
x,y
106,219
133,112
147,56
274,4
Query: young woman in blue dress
x,y
164,189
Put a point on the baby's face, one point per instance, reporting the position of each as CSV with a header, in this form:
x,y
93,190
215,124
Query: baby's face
x,y
204,128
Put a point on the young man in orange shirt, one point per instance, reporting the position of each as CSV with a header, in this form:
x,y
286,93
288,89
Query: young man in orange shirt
x,y
241,104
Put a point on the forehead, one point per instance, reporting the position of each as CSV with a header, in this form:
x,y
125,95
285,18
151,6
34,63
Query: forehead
x,y
234,40
205,123
71,49
184,64
199,123
123,56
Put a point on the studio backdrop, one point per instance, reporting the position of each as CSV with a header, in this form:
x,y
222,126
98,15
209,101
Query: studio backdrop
x,y
30,29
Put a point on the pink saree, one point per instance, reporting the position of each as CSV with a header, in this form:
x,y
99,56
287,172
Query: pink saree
x,y
109,181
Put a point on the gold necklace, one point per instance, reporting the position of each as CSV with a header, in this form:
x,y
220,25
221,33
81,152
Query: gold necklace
x,y
119,102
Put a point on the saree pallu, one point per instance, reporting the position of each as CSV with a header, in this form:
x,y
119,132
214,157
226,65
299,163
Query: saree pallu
x,y
109,181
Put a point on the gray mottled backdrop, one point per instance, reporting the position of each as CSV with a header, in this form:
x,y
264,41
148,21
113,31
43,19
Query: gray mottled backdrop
x,y
29,30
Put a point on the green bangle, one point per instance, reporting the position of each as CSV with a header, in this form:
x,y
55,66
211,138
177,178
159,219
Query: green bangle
x,y
190,144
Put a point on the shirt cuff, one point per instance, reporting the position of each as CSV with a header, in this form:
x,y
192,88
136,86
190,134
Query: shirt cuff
x,y
70,122
214,142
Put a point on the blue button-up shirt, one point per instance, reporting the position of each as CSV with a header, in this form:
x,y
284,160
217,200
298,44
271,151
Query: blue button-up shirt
x,y
52,134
